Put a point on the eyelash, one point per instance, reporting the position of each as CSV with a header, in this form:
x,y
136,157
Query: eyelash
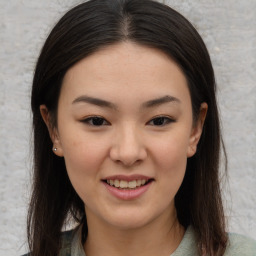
x,y
90,119
166,120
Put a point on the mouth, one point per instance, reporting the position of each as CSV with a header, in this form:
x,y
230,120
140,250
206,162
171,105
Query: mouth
x,y
128,185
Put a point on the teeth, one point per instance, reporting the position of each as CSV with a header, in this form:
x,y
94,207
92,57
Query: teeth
x,y
138,183
116,183
123,184
132,184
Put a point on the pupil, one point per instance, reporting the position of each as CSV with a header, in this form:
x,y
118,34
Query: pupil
x,y
159,121
97,121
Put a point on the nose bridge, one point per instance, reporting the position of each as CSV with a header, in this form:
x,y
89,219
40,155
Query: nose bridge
x,y
128,146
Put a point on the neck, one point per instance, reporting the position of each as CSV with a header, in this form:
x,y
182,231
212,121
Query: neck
x,y
160,237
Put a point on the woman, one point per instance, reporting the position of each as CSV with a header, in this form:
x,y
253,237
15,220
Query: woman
x,y
126,137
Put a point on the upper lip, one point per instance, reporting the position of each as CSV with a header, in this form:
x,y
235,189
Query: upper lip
x,y
128,177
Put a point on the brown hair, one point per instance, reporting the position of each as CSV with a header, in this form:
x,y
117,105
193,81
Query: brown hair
x,y
81,32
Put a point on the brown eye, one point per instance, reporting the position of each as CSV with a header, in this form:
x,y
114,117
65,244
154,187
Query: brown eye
x,y
161,121
95,121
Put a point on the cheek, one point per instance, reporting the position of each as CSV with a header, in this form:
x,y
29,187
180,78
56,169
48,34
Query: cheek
x,y
170,162
172,151
83,158
83,150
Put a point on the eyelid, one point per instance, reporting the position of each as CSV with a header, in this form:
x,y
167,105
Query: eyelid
x,y
168,118
87,119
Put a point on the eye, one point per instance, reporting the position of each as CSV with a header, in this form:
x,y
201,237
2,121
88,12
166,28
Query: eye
x,y
95,121
161,121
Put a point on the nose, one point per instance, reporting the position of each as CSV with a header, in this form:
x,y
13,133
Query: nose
x,y
128,147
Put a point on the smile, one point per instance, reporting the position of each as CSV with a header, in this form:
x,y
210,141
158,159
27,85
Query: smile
x,y
128,187
123,184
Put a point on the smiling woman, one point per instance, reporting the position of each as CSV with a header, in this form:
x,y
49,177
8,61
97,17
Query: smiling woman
x,y
144,139
127,137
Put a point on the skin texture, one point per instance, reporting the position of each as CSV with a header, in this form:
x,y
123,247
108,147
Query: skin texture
x,y
129,140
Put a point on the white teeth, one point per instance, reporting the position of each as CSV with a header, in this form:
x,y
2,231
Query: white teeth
x,y
132,184
138,183
123,184
116,183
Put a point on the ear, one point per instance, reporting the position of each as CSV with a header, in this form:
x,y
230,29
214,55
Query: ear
x,y
197,130
53,131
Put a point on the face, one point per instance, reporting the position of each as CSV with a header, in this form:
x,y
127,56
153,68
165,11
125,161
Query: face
x,y
125,129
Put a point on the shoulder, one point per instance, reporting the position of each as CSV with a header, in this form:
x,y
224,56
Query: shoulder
x,y
240,245
66,241
237,245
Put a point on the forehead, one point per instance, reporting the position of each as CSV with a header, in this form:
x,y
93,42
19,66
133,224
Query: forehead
x,y
123,70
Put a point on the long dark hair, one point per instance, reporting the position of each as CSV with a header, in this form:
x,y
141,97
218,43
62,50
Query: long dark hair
x,y
81,32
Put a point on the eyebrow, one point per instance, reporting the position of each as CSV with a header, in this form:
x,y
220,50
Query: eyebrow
x,y
104,103
94,101
160,101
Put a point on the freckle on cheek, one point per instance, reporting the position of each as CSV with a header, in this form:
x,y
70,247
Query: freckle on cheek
x,y
74,144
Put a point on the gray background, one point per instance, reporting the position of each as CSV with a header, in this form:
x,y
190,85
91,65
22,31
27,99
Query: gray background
x,y
229,30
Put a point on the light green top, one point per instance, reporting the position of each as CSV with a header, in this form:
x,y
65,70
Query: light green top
x,y
238,245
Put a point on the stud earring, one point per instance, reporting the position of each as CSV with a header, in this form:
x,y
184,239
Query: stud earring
x,y
54,149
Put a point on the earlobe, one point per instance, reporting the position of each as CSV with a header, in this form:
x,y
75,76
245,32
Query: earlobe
x,y
57,151
197,130
53,133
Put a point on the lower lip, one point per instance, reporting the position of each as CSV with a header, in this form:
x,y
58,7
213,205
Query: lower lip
x,y
127,194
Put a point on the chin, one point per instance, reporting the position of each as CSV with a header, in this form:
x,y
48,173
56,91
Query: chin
x,y
129,224
129,221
